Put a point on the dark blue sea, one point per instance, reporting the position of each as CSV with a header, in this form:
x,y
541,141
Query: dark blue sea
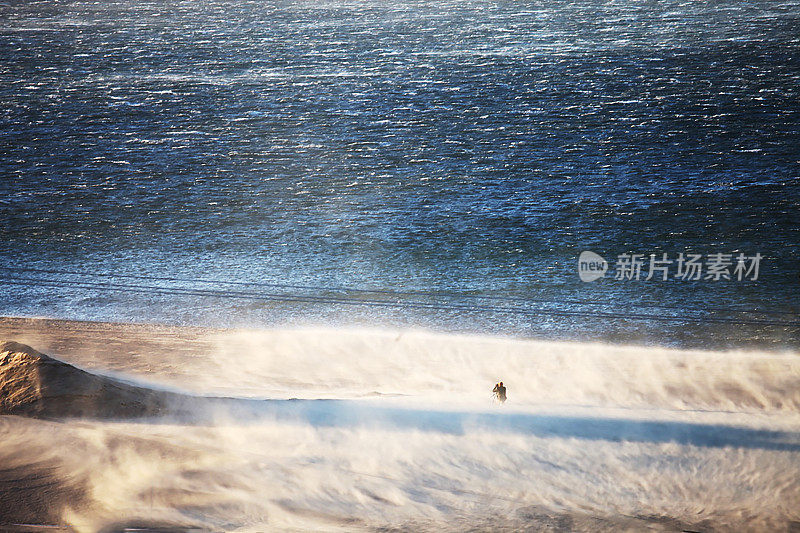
x,y
395,164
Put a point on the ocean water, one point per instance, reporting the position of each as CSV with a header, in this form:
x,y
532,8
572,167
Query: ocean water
x,y
455,158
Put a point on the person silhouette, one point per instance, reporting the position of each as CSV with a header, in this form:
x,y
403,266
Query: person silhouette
x,y
500,392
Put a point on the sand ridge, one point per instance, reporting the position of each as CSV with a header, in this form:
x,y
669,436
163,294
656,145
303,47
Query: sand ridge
x,y
36,385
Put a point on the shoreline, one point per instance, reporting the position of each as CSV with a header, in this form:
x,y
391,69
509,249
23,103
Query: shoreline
x,y
38,325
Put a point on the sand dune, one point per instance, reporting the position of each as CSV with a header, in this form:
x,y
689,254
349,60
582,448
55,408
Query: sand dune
x,y
34,384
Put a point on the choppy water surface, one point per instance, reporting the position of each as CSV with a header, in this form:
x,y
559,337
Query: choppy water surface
x,y
450,147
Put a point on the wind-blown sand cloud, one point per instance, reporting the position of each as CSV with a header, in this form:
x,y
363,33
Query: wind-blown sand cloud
x,y
99,450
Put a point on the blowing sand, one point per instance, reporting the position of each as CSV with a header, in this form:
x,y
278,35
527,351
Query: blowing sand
x,y
181,428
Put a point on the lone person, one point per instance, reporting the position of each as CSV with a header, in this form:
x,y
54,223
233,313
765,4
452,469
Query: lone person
x,y
500,392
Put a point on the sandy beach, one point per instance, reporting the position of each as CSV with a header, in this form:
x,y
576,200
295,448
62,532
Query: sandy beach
x,y
377,430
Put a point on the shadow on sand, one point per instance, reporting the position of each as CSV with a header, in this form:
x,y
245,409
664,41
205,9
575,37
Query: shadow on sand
x,y
354,413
